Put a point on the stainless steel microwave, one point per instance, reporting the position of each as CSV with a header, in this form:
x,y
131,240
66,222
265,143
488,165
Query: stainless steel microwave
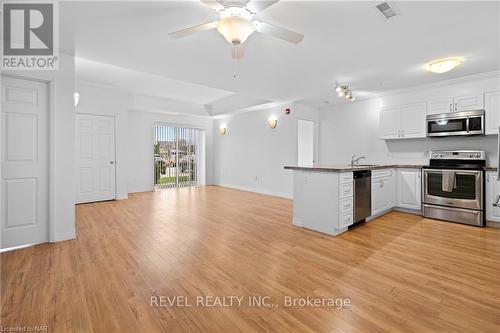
x,y
456,124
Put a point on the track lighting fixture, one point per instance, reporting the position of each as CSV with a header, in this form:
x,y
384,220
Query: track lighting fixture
x,y
344,91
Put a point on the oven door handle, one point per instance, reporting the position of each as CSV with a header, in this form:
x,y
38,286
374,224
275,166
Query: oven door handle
x,y
467,125
457,172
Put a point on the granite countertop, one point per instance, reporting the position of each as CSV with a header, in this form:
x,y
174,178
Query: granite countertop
x,y
346,168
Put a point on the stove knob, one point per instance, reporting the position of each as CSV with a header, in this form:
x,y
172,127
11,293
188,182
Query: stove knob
x,y
478,155
435,155
471,155
441,155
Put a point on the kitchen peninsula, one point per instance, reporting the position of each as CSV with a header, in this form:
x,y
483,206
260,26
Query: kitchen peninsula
x,y
324,196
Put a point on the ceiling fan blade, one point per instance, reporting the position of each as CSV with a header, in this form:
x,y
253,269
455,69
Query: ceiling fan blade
x,y
256,6
237,52
192,30
214,4
279,32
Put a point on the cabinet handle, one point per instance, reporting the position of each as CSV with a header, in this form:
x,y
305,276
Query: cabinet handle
x,y
456,106
451,107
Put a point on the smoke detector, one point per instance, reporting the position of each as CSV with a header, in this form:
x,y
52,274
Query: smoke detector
x,y
387,9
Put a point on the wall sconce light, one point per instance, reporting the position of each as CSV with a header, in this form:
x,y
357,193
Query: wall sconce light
x,y
272,123
76,96
222,130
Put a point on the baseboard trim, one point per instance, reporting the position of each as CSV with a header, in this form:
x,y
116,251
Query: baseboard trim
x,y
256,190
63,237
493,224
14,248
409,211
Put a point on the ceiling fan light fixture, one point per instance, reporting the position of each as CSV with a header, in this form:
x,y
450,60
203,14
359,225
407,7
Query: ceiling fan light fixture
x,y
443,65
235,29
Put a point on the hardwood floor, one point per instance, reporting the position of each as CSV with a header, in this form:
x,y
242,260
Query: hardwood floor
x,y
401,273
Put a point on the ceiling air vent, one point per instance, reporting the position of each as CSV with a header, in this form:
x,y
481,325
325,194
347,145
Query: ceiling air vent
x,y
386,9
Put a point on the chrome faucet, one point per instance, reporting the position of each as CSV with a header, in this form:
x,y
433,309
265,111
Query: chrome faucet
x,y
355,161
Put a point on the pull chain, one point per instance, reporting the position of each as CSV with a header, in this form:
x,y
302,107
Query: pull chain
x,y
234,63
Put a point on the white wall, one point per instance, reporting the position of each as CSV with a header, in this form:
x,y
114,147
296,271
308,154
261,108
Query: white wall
x,y
140,145
110,102
352,128
251,156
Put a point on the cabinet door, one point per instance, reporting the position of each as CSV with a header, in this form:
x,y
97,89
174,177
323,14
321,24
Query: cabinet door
x,y
377,196
492,111
440,106
390,123
469,103
413,120
409,189
492,193
383,192
390,185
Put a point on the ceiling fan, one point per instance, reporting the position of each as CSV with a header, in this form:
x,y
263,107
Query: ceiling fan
x,y
237,23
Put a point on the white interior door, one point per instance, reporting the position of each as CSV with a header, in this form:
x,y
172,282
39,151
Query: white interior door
x,y
95,158
305,143
25,156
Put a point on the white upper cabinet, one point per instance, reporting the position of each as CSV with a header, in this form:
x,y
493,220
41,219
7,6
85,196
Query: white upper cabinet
x,y
403,121
469,103
409,189
440,106
456,104
413,120
492,111
390,123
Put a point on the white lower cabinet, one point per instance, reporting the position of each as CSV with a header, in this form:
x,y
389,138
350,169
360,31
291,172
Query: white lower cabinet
x,y
492,195
346,200
409,189
383,190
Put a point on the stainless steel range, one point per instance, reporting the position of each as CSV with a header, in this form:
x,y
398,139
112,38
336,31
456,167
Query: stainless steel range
x,y
453,187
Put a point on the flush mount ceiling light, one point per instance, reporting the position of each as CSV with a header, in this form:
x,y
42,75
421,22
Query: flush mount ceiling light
x,y
344,91
443,65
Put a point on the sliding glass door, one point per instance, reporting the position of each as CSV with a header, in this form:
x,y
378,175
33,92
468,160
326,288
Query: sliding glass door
x,y
177,154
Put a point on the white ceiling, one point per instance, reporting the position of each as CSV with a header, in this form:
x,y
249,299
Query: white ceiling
x,y
349,42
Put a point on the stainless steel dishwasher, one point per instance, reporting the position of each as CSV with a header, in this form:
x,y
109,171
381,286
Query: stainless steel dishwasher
x,y
362,195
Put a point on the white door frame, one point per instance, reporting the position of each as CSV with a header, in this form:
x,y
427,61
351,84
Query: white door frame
x,y
114,148
51,158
